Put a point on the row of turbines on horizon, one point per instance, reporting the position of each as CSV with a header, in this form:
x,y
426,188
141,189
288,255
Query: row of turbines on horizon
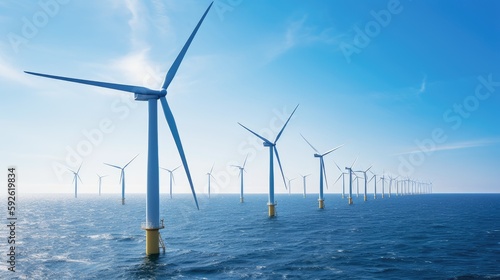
x,y
152,223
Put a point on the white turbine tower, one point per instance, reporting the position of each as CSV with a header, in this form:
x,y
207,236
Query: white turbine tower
x,y
100,179
290,185
342,174
304,182
272,151
349,201
152,224
209,175
122,176
364,173
242,169
76,177
375,182
171,175
322,171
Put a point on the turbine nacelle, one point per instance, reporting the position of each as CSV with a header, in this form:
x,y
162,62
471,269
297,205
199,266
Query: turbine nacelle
x,y
268,144
145,94
317,155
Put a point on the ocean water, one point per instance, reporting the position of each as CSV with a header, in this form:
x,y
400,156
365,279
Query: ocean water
x,y
434,236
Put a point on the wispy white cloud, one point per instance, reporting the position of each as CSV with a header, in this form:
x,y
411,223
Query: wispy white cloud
x,y
423,85
299,32
458,146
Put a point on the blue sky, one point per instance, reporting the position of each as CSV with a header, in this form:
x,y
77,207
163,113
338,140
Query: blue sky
x,y
410,87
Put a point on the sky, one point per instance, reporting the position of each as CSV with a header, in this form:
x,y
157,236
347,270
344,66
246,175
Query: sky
x,y
411,88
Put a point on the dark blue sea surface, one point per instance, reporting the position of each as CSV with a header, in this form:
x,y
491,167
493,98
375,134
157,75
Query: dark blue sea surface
x,y
433,236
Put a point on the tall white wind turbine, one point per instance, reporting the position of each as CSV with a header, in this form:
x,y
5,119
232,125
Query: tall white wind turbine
x,y
171,177
342,174
322,171
290,185
152,224
271,205
209,175
100,180
76,177
122,176
242,170
364,174
304,182
349,201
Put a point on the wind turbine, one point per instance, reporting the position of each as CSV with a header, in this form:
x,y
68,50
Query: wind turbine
x,y
290,185
375,188
241,168
383,183
171,173
322,171
209,174
76,177
122,176
152,224
342,173
350,181
364,173
100,179
272,150
304,183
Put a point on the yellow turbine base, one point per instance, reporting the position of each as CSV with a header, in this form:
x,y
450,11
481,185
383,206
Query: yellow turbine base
x,y
241,199
350,200
123,201
321,203
271,210
152,242
365,198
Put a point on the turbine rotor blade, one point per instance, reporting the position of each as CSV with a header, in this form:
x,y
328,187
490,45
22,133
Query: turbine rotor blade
x,y
324,172
279,163
332,150
309,144
338,179
173,69
262,138
121,87
338,167
354,162
245,162
130,161
113,165
175,134
176,168
283,128
211,169
79,168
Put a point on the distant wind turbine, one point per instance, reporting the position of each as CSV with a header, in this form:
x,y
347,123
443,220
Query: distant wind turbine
x,y
242,169
342,173
304,183
100,179
122,176
290,185
209,174
364,173
375,182
322,171
350,181
152,224
171,173
272,151
76,177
